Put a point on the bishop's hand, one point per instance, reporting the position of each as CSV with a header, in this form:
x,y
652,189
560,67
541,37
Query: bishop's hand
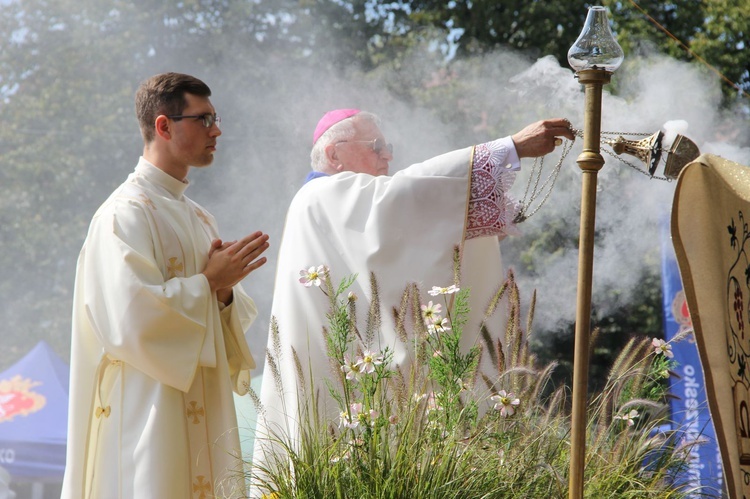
x,y
540,138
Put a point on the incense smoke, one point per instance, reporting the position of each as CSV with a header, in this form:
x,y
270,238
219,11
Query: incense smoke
x,y
263,155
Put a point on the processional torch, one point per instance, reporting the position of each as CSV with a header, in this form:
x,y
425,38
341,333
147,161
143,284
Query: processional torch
x,y
595,56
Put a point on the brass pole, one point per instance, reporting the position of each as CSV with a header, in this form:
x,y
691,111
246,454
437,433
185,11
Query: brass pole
x,y
590,162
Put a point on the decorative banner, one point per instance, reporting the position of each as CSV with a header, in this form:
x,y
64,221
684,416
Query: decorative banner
x,y
712,245
688,405
18,399
34,416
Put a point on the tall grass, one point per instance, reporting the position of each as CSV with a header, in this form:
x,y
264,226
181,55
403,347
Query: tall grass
x,y
445,430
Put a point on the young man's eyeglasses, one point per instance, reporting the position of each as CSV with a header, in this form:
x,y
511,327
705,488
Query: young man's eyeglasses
x,y
208,119
377,145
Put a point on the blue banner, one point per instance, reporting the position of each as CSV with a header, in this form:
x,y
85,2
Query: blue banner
x,y
688,403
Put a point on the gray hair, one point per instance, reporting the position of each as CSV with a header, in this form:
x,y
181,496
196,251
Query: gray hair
x,y
342,131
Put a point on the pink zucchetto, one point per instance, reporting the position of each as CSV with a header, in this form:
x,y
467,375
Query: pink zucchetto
x,y
331,118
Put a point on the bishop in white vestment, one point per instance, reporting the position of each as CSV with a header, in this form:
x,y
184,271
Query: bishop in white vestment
x,y
403,228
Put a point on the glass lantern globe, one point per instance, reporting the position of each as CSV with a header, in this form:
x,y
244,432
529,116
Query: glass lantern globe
x,y
596,47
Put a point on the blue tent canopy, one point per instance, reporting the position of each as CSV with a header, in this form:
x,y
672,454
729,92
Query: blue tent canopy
x,y
34,416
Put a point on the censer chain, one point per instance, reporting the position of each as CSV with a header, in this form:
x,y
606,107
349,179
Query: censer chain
x,y
546,187
579,133
549,182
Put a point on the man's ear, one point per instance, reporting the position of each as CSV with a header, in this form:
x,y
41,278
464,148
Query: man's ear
x,y
163,127
331,155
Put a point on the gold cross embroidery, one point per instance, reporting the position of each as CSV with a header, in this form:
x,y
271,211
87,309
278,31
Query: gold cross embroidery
x,y
103,411
195,412
147,201
201,486
202,216
174,267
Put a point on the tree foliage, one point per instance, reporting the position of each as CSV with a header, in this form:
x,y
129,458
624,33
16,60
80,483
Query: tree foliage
x,y
535,27
69,69
69,72
715,31
712,33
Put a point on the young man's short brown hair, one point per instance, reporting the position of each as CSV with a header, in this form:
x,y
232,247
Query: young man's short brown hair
x,y
164,94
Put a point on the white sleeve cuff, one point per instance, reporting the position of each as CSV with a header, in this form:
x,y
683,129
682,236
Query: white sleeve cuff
x,y
512,160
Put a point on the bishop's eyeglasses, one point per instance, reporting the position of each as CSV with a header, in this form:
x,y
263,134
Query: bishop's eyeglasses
x,y
207,119
377,145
